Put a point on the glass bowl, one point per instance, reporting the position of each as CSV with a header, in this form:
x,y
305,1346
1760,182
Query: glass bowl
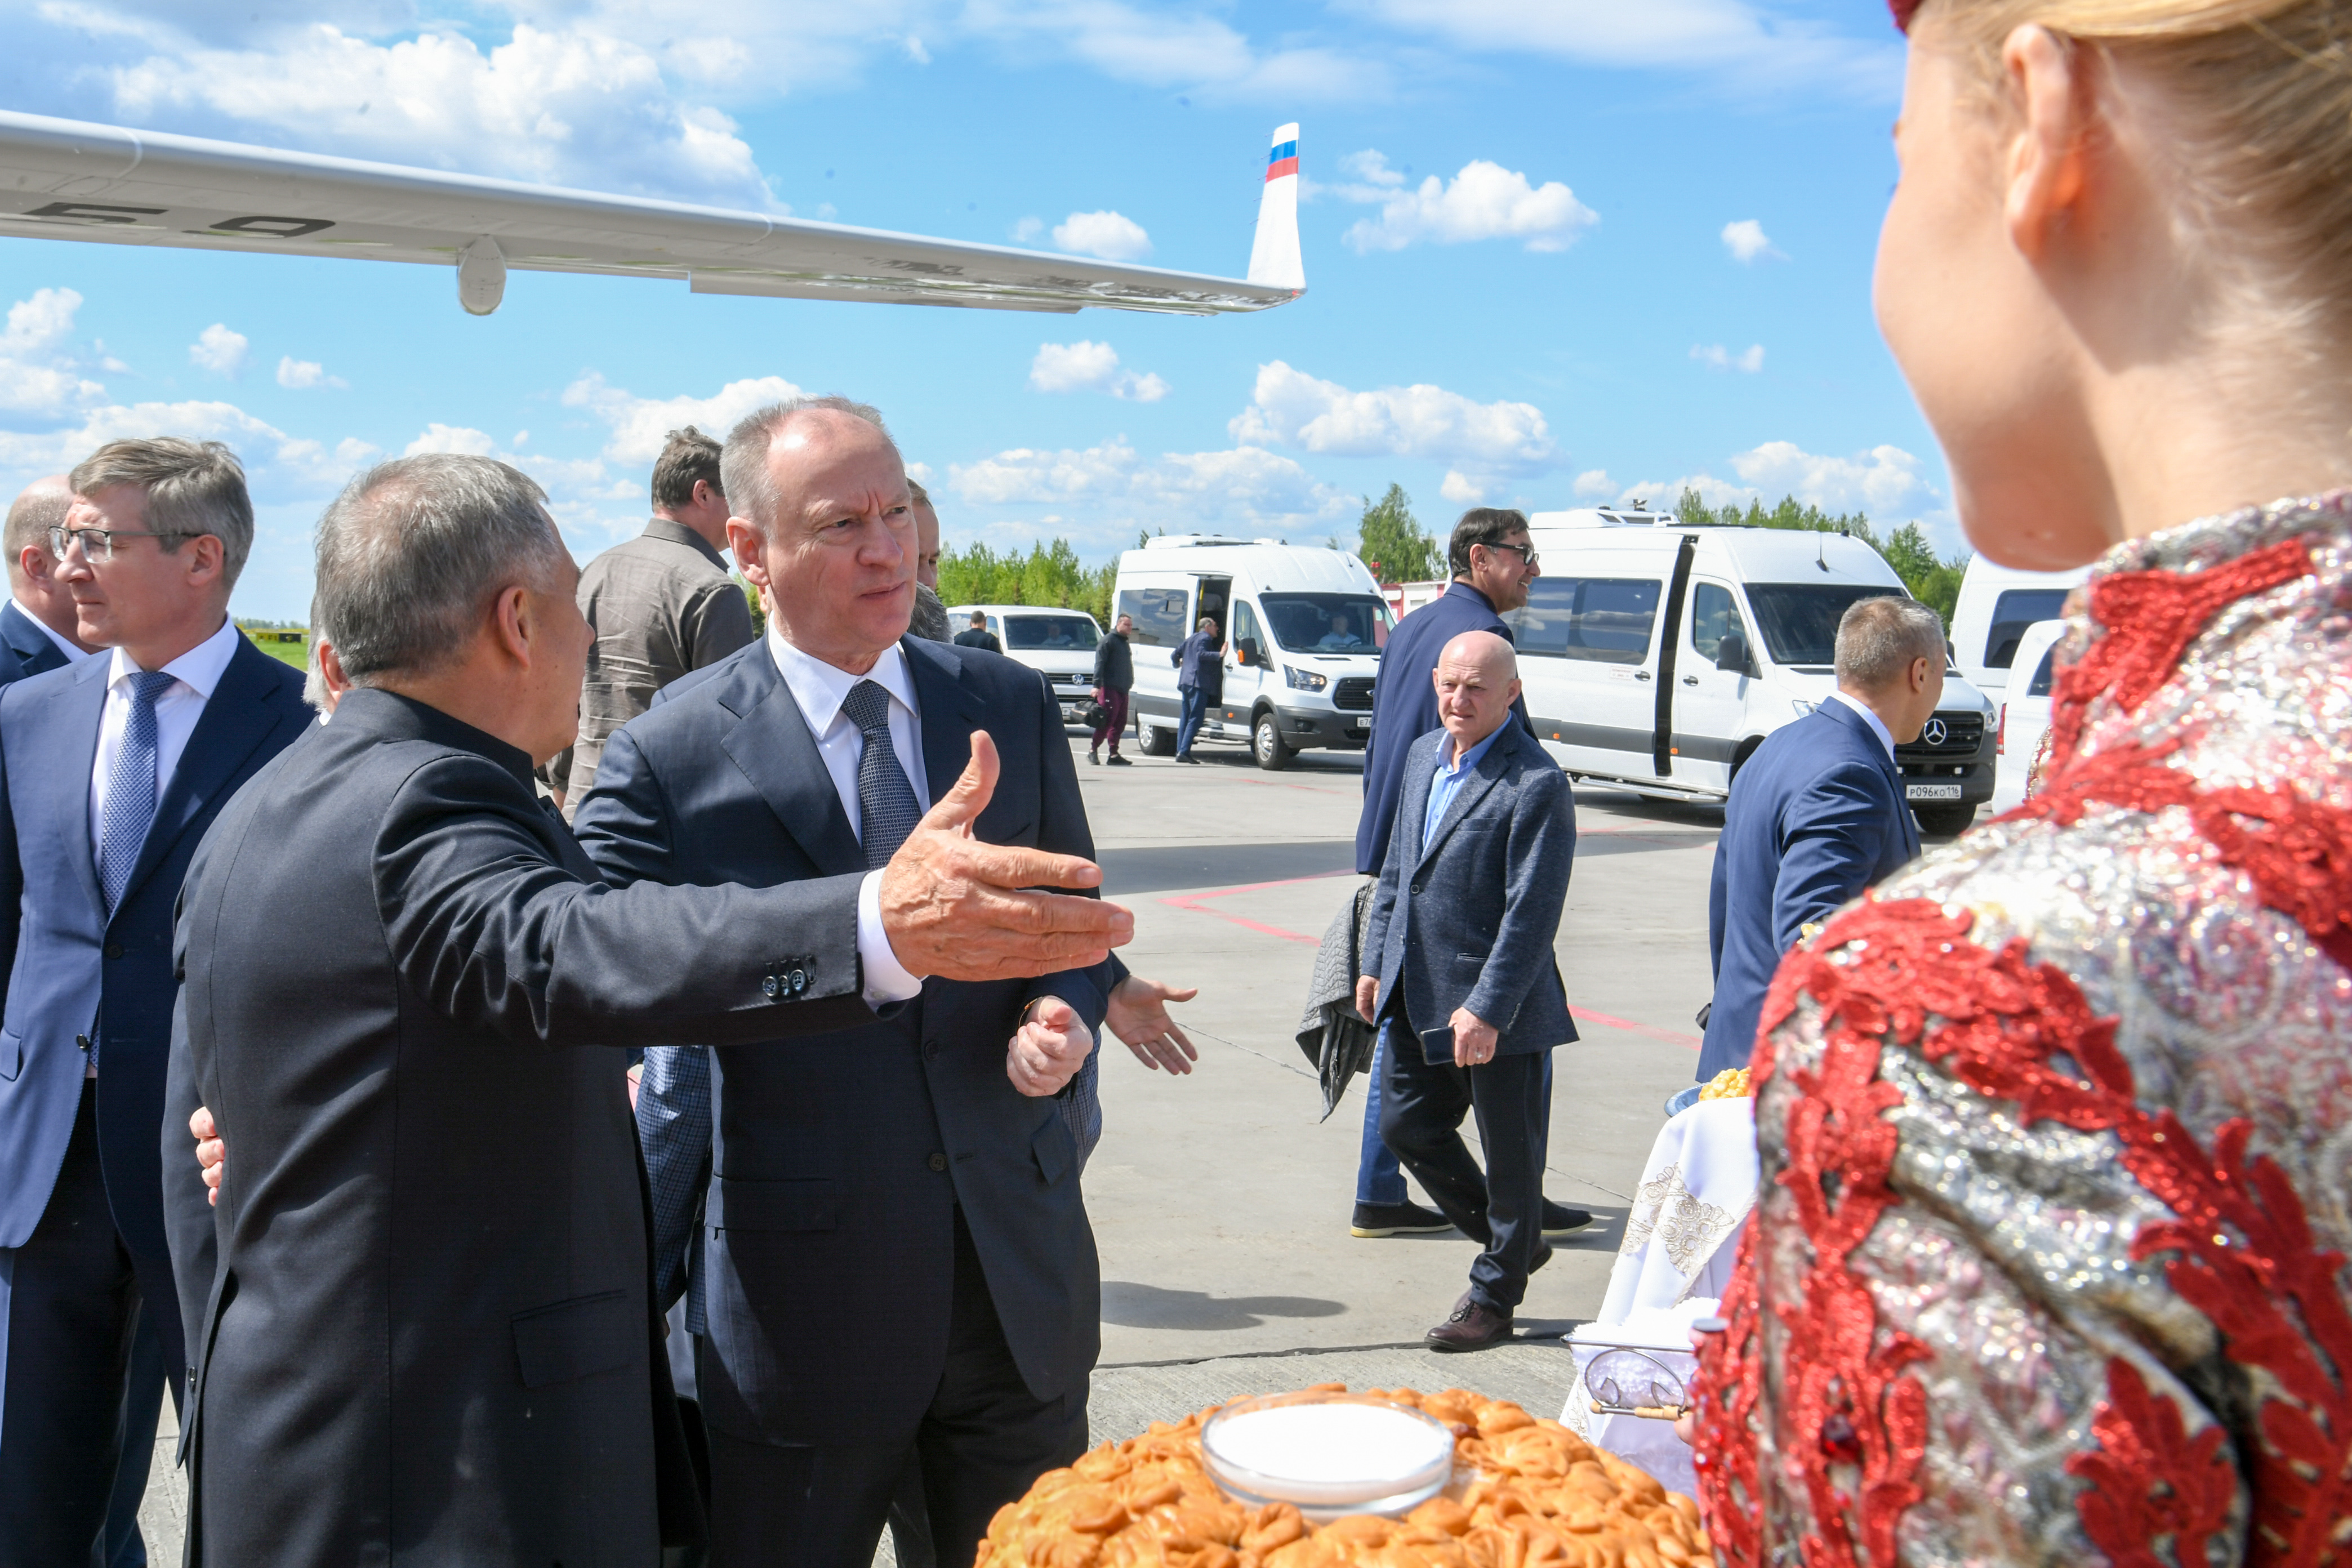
x,y
1329,1454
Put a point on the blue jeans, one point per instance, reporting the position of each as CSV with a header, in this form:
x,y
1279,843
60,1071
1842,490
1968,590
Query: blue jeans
x,y
1379,1176
1188,722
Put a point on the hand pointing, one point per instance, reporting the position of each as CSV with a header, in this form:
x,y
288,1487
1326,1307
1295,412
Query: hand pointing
x,y
958,909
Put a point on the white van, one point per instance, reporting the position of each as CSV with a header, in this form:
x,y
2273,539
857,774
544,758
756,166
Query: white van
x,y
1058,644
1659,656
2025,711
1303,626
1996,604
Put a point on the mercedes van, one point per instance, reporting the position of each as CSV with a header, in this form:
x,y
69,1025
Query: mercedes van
x,y
1658,656
1303,627
1058,644
1996,604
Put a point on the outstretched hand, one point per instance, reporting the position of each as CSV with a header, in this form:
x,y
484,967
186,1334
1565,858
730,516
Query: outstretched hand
x,y
1049,1049
1138,1015
211,1153
961,910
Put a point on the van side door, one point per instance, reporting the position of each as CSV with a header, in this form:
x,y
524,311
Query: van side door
x,y
1588,652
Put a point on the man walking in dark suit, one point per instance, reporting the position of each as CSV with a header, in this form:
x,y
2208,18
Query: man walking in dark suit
x,y
38,623
977,634
110,771
427,1333
1459,956
897,1257
1817,815
1493,564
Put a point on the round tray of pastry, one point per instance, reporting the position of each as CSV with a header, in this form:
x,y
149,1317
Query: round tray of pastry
x,y
1323,1479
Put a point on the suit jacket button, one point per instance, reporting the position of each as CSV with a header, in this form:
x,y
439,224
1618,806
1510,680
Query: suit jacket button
x,y
114,949
938,1162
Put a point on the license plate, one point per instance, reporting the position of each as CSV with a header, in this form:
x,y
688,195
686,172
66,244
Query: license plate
x,y
1931,792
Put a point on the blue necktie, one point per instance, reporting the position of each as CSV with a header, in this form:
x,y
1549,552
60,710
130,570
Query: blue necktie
x,y
886,800
130,788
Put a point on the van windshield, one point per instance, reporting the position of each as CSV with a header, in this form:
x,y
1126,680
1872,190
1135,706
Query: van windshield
x,y
1800,620
1327,623
1050,634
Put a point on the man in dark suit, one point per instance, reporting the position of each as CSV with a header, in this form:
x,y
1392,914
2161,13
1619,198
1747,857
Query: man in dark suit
x,y
1459,961
422,1318
37,624
977,634
1493,564
1817,815
897,1261
110,771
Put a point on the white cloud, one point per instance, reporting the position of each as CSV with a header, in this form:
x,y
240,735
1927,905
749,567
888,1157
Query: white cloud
x,y
1715,356
37,367
1108,234
301,374
1484,201
1594,484
1293,408
219,349
1883,481
1088,366
638,425
1747,240
1247,484
440,437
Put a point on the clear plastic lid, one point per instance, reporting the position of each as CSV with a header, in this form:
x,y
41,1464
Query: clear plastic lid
x,y
1327,1454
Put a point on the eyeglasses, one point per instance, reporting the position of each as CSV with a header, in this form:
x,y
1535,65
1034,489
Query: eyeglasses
x,y
1526,553
98,544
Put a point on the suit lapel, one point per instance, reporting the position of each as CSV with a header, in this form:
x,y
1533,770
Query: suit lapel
x,y
237,718
939,686
772,744
1482,779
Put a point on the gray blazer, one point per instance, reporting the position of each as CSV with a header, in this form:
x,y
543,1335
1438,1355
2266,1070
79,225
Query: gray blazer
x,y
1468,919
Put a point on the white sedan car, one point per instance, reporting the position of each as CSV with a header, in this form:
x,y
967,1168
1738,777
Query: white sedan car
x,y
2024,712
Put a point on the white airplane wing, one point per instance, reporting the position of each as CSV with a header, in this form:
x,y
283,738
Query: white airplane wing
x,y
64,179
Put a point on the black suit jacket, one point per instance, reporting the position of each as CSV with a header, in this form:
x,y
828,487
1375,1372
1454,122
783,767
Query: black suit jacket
x,y
29,651
427,1338
839,1162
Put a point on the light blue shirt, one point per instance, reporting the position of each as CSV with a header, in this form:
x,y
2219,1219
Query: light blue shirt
x,y
1449,779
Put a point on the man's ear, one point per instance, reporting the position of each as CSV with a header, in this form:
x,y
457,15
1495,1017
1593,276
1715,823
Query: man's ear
x,y
2050,95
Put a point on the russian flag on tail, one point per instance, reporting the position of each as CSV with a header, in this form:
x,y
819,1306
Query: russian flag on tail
x,y
1274,256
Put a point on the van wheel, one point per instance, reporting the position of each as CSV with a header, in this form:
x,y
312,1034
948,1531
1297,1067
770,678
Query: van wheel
x,y
1154,741
1272,753
1944,821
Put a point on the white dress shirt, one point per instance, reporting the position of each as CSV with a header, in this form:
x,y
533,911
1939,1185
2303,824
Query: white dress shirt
x,y
196,673
1878,725
74,655
819,688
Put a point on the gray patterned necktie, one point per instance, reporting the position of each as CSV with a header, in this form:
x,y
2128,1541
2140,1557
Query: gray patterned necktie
x,y
130,788
886,800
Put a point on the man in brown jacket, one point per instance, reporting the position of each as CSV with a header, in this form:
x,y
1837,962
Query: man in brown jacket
x,y
661,604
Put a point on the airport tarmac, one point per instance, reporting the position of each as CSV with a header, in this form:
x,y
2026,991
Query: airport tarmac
x,y
1221,1199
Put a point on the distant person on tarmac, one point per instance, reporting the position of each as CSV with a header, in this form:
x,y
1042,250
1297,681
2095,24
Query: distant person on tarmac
x,y
1493,563
977,634
1200,661
1817,815
1114,679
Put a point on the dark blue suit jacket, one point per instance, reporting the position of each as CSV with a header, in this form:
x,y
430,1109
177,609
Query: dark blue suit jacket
x,y
839,1162
1404,706
28,650
71,970
1468,921
1816,815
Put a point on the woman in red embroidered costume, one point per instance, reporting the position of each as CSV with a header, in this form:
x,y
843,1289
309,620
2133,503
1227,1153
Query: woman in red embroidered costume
x,y
2050,1266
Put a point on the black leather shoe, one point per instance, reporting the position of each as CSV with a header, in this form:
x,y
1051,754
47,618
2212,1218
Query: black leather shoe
x,y
1559,1219
1475,1326
1374,1221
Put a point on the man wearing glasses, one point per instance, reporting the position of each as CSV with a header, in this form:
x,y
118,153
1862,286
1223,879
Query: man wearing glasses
x,y
1493,562
109,774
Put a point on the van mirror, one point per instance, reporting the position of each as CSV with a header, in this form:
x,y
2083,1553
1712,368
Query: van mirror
x,y
1732,653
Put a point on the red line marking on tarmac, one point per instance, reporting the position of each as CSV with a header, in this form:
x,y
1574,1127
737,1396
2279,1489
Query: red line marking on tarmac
x,y
1192,901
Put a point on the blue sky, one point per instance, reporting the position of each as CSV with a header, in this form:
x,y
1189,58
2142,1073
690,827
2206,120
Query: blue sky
x,y
1557,252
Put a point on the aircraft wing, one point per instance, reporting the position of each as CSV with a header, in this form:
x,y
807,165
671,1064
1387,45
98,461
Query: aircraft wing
x,y
65,179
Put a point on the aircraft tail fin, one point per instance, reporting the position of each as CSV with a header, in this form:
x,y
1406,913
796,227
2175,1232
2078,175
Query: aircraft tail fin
x,y
1275,261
